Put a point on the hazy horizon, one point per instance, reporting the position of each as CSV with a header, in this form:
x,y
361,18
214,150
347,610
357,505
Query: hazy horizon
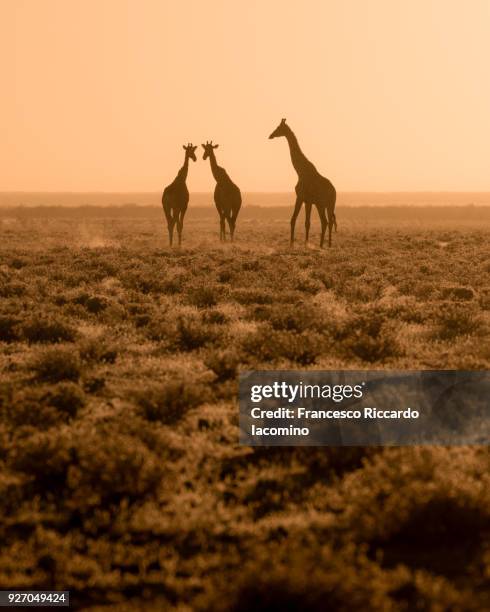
x,y
383,96
263,199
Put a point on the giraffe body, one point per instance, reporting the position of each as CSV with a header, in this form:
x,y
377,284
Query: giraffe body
x,y
227,196
175,197
312,188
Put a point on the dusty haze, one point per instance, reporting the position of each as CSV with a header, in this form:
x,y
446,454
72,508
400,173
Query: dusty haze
x,y
383,96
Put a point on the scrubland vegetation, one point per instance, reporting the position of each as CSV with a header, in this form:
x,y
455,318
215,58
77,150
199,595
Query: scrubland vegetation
x,y
121,477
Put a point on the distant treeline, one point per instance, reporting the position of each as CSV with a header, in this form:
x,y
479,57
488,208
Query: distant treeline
x,y
376,215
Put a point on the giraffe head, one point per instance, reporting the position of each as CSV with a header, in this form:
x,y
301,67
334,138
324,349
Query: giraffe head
x,y
190,151
281,130
208,148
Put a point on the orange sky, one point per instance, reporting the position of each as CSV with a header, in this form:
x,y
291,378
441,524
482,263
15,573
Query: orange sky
x,y
382,94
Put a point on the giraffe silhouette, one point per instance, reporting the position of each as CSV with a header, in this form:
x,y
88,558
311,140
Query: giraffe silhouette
x,y
176,196
227,196
312,188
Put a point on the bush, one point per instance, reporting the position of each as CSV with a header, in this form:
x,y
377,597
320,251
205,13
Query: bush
x,y
97,350
110,466
12,290
42,406
298,318
419,505
310,578
453,320
190,335
268,345
214,317
46,457
369,336
48,331
223,363
92,303
67,397
186,333
203,296
458,293
9,329
168,403
145,281
252,296
89,470
54,365
18,263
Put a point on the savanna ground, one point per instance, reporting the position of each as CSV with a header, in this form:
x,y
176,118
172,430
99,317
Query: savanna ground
x,y
121,478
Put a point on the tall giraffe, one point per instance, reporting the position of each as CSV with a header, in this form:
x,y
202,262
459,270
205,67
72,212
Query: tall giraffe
x,y
227,196
176,196
312,188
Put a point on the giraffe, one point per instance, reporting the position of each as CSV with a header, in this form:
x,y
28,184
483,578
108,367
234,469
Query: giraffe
x,y
312,188
227,196
176,196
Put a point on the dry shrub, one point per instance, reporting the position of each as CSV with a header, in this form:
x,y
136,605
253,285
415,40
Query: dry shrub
x,y
45,331
203,296
168,403
12,290
89,470
191,334
453,320
304,577
110,466
10,329
55,365
214,317
458,293
297,318
92,303
98,350
45,456
145,281
369,336
224,363
307,284
186,333
252,296
67,397
42,406
420,506
18,263
270,345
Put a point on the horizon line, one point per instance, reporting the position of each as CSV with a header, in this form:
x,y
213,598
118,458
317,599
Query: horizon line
x,y
350,191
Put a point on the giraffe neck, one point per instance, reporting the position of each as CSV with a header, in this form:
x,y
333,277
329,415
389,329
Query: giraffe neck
x,y
215,169
183,171
300,162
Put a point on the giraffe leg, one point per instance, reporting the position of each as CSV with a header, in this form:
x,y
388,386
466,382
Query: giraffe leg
x,y
234,216
323,221
231,226
168,216
307,221
330,227
180,225
222,227
171,225
297,208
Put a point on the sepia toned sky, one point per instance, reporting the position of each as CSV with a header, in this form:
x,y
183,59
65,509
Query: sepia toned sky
x,y
100,95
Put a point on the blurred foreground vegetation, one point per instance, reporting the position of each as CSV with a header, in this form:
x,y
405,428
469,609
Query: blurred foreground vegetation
x,y
120,474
